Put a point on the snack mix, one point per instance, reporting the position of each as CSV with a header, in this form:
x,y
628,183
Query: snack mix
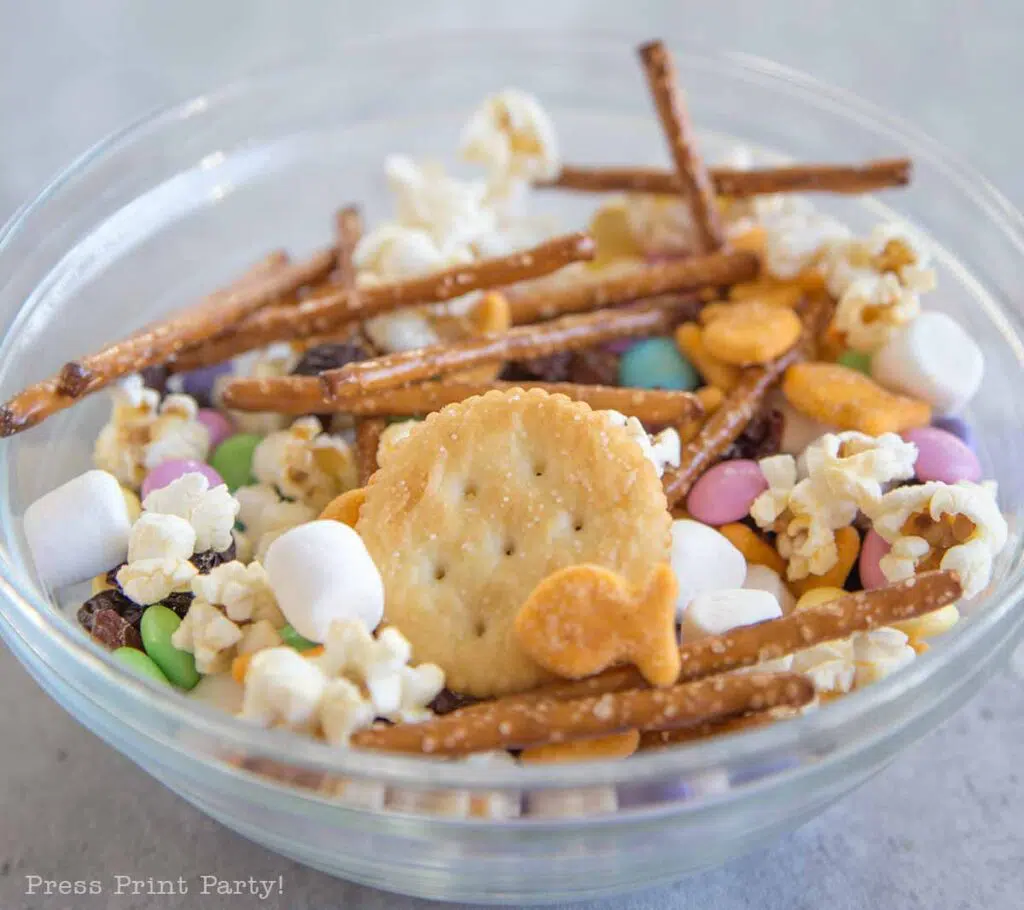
x,y
454,486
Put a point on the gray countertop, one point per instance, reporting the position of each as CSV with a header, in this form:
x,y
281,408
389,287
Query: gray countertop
x,y
939,828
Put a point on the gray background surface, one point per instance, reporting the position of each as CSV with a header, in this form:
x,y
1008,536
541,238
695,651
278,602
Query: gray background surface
x,y
940,828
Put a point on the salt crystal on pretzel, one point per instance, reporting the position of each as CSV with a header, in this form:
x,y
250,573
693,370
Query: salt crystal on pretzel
x,y
865,177
500,725
368,432
327,313
744,400
745,646
570,333
306,395
692,177
593,291
269,280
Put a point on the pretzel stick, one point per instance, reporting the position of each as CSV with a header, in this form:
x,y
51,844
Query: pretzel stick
x,y
328,313
367,441
866,177
691,175
496,725
348,228
659,739
742,402
519,343
591,292
745,646
269,279
305,395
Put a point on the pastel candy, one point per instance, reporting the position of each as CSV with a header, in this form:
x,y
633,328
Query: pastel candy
x,y
168,471
725,492
856,360
959,427
218,426
871,553
158,624
79,529
141,663
703,560
199,383
656,363
321,572
716,612
232,459
942,456
934,359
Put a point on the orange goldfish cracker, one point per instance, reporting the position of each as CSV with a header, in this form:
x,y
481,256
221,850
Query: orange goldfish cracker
x,y
583,619
849,400
689,338
615,745
755,549
848,546
750,332
345,508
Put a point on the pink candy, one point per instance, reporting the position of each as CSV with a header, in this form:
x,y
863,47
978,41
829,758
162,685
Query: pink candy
x,y
219,426
871,553
942,456
169,471
726,492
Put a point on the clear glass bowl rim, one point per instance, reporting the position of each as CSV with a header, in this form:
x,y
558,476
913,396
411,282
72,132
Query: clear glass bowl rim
x,y
34,609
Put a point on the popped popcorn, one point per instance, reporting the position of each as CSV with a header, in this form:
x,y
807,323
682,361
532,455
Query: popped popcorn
x,y
306,464
282,688
275,360
393,252
514,138
879,653
871,308
143,432
210,511
889,250
209,635
258,636
242,591
796,242
946,526
156,536
267,516
392,436
148,581
343,711
830,666
857,467
663,450
661,225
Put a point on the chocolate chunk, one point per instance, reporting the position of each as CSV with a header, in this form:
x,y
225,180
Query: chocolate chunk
x,y
210,559
156,378
112,631
110,600
761,438
597,366
447,701
179,602
330,357
552,368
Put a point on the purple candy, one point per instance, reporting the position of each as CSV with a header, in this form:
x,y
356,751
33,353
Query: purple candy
x,y
199,383
873,549
169,471
219,426
942,456
959,427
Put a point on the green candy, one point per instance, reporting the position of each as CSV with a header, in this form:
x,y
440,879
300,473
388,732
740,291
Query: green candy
x,y
159,623
141,663
657,364
294,640
856,361
232,459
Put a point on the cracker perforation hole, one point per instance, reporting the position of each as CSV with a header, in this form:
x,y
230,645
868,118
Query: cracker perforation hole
x,y
577,525
480,628
439,573
539,469
470,491
510,547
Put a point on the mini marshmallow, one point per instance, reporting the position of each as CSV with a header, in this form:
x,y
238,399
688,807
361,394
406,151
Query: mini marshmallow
x,y
79,529
716,612
934,359
321,572
799,430
703,560
761,578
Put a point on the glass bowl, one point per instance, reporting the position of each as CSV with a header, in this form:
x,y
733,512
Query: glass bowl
x,y
182,201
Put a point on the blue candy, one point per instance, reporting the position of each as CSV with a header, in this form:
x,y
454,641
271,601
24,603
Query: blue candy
x,y
657,364
958,427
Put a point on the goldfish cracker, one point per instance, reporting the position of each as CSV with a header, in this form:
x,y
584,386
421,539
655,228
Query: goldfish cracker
x,y
689,338
848,546
750,332
755,549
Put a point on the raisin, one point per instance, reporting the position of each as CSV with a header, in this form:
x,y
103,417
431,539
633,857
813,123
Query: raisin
x,y
156,378
447,701
179,602
112,631
113,600
552,368
594,367
112,576
330,357
761,438
210,559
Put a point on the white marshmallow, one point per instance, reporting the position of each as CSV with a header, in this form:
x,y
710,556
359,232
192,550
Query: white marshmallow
x,y
703,560
716,612
321,572
79,529
799,430
932,358
761,578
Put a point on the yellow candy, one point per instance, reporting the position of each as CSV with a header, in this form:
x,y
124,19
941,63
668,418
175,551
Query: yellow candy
x,y
131,500
815,597
929,625
749,332
847,399
100,583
